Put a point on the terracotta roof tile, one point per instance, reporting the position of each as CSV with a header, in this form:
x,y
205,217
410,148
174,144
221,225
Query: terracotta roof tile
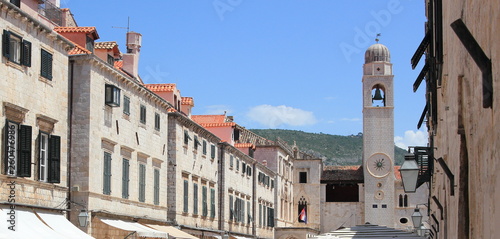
x,y
118,64
244,145
105,45
187,101
78,29
161,87
397,174
343,173
205,119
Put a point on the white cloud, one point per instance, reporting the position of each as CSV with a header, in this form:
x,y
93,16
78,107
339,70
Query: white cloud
x,y
217,110
274,116
350,119
411,138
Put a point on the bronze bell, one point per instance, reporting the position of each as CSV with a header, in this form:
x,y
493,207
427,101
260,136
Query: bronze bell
x,y
378,95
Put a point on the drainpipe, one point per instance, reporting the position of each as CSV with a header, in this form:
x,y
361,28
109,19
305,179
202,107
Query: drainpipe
x,y
70,131
221,185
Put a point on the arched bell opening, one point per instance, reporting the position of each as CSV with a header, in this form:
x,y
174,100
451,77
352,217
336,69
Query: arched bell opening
x,y
378,96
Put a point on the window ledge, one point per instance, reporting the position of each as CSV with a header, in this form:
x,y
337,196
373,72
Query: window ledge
x,y
14,65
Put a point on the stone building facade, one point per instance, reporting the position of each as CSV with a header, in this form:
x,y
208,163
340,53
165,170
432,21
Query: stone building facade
x,y
461,72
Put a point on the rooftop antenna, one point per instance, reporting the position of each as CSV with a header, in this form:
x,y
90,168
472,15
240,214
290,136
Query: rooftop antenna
x,y
128,25
378,35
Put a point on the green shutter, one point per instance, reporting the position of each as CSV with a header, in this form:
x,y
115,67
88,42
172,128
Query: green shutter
x,y
186,196
46,64
242,214
260,214
54,162
212,203
26,53
231,159
24,156
204,147
142,182
157,187
195,195
213,151
243,167
6,44
107,174
249,213
204,198
231,208
125,177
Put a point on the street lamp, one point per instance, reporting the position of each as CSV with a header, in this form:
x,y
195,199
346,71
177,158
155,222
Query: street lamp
x,y
82,218
416,217
409,173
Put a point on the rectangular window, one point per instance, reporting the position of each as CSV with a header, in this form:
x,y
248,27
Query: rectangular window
x,y
111,60
244,167
112,95
195,201
204,147
249,170
90,44
196,142
16,2
204,201
125,177
242,213
237,164
272,183
186,196
142,183
107,174
157,121
374,206
302,177
54,160
126,105
143,114
212,153
157,187
270,220
212,203
15,49
249,214
186,137
43,157
231,159
384,205
46,65
231,208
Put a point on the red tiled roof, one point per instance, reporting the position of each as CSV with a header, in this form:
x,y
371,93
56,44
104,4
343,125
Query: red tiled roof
x,y
161,87
397,174
78,50
171,110
187,101
78,29
342,173
244,145
105,45
205,119
118,64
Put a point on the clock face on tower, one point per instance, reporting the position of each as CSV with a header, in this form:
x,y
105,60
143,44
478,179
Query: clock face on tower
x,y
379,165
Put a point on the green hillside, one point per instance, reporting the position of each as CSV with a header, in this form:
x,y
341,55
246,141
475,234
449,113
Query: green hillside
x,y
334,149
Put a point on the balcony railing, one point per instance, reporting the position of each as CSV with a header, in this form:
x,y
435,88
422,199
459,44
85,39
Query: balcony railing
x,y
50,11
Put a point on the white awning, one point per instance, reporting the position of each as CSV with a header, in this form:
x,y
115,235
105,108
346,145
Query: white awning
x,y
25,223
141,230
60,224
172,231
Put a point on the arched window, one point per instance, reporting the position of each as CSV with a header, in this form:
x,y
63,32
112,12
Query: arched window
x,y
378,96
400,200
302,210
406,200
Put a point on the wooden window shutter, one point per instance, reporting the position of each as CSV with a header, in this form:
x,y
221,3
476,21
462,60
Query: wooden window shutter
x,y
54,162
26,53
125,177
204,201
186,197
195,195
242,214
6,44
107,174
231,208
204,147
156,187
213,151
46,63
24,160
212,203
142,182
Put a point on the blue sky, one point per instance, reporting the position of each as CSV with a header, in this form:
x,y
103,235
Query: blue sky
x,y
291,64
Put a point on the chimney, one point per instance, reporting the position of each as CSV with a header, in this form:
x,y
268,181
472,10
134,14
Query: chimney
x,y
131,58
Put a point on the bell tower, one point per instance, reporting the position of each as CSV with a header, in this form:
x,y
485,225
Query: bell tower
x,y
378,136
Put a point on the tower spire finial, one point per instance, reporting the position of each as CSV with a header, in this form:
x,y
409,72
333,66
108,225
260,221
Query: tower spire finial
x,y
377,38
